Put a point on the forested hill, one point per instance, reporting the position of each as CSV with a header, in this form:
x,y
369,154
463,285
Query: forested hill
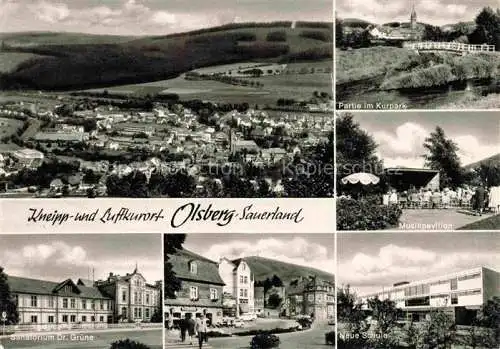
x,y
59,61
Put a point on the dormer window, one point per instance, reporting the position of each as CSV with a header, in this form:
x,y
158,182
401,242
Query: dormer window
x,y
193,268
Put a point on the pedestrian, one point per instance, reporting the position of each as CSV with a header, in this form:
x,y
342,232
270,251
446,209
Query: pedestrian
x,y
201,328
191,325
480,196
183,325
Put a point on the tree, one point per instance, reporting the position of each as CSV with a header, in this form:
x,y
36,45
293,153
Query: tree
x,y
489,316
276,281
488,27
442,156
171,243
489,174
439,332
7,302
274,301
386,314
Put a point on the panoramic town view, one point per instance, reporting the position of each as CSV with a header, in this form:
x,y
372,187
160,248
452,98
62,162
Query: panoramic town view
x,y
421,54
244,111
418,290
81,291
418,171
249,291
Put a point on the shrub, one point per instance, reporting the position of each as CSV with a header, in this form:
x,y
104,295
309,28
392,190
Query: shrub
x,y
366,214
265,341
261,332
276,36
330,338
128,344
316,35
437,75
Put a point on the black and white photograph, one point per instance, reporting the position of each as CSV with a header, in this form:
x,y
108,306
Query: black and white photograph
x,y
81,291
417,54
227,291
418,170
153,98
418,290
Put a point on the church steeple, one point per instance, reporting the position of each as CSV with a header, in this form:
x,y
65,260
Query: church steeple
x,y
413,16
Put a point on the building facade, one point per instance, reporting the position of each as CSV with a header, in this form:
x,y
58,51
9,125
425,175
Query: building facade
x,y
312,296
134,299
48,303
201,288
459,294
239,285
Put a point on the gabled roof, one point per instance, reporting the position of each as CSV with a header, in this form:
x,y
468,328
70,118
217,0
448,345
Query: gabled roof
x,y
85,282
207,270
42,287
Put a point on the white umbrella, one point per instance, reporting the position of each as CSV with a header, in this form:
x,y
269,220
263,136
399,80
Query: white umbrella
x,y
361,177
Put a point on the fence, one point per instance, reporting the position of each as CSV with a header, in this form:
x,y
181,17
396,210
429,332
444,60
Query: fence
x,y
449,46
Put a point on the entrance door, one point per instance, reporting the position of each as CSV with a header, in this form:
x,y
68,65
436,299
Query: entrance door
x,y
209,318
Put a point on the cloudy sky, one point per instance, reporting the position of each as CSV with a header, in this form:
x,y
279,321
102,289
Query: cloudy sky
x,y
155,17
436,12
59,257
400,136
368,262
312,250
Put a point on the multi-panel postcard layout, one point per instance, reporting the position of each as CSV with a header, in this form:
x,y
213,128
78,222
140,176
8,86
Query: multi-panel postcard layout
x,y
252,174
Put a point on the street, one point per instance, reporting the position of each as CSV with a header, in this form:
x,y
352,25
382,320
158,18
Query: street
x,y
310,339
87,340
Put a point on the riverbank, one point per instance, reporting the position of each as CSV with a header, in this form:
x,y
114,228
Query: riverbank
x,y
427,80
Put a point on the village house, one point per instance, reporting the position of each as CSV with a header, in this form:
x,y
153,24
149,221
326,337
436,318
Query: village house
x,y
239,285
201,284
312,296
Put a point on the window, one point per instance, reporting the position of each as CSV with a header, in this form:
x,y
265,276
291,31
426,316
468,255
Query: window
x,y
320,298
102,304
454,299
93,305
147,313
84,318
245,281
193,268
16,299
124,312
51,319
84,304
135,298
73,303
65,318
245,293
139,311
213,293
135,313
193,292
51,302
72,318
65,303
241,279
469,277
124,296
34,301
241,292
34,319
147,299
244,266
453,284
92,318
310,298
101,318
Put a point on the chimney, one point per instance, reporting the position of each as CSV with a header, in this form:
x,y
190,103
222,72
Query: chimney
x,y
110,275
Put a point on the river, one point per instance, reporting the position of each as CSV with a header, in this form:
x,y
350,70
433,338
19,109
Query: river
x,y
365,93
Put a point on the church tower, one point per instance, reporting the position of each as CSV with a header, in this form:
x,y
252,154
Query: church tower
x,y
413,17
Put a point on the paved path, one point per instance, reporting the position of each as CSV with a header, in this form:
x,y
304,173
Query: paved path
x,y
86,340
310,339
439,219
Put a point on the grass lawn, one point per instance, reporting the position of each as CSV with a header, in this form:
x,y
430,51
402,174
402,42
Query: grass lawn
x,y
491,223
9,127
473,101
10,60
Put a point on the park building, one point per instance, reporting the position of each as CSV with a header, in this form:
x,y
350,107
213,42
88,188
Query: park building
x,y
201,288
239,286
461,295
312,296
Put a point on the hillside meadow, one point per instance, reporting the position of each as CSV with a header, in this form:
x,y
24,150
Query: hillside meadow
x,y
86,63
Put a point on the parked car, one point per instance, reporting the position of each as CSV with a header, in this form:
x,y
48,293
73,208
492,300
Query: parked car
x,y
238,323
248,317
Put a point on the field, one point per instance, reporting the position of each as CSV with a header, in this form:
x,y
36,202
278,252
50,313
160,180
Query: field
x,y
9,127
10,60
296,86
47,38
